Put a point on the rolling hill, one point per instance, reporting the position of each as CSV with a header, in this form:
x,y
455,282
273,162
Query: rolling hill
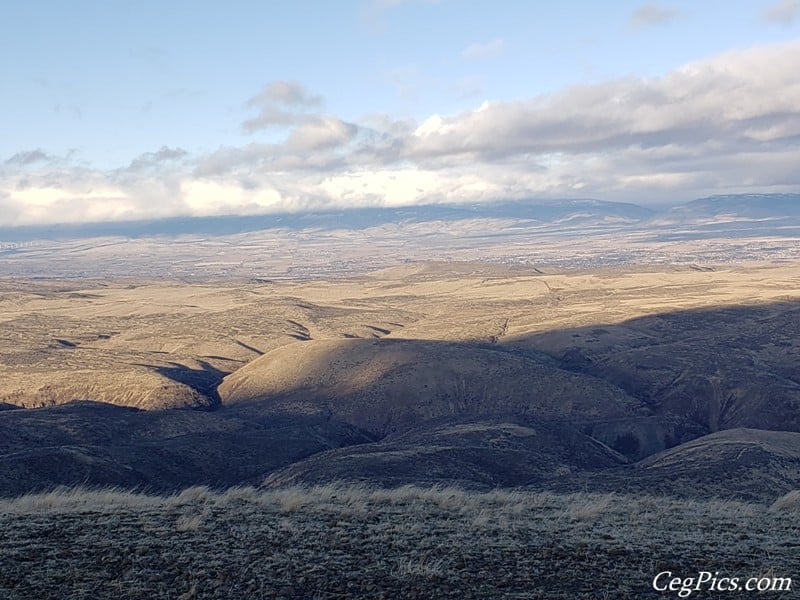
x,y
482,375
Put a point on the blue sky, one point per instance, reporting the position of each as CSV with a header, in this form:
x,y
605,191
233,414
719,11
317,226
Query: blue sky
x,y
134,109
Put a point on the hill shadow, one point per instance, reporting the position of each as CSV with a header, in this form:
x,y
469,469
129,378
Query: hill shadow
x,y
733,370
94,444
639,386
527,405
724,367
203,380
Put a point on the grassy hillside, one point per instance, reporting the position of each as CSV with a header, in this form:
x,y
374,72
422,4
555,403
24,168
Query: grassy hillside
x,y
337,541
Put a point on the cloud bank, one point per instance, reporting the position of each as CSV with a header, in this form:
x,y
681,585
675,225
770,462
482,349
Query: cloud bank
x,y
730,123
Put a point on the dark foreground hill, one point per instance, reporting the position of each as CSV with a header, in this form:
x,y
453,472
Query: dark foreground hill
x,y
746,464
98,444
483,453
410,542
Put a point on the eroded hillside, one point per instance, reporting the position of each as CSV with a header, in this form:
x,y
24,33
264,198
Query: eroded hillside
x,y
434,372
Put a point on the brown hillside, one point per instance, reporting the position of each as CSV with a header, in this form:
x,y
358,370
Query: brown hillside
x,y
390,385
723,368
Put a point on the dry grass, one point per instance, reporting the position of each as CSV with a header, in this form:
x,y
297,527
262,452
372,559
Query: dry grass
x,y
353,541
78,500
585,507
787,502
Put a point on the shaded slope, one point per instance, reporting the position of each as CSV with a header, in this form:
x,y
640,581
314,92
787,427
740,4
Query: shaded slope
x,y
744,461
741,464
99,444
389,385
748,464
483,452
722,368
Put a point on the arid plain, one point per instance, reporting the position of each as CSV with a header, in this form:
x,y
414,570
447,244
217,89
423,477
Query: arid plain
x,y
625,411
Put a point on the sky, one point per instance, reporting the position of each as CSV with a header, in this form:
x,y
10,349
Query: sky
x,y
123,110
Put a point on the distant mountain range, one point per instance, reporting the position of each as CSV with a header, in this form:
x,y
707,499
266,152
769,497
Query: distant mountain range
x,y
744,206
553,213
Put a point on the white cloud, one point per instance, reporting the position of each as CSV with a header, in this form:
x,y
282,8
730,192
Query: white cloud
x,y
288,93
205,197
43,204
727,123
320,132
280,103
150,160
402,186
747,96
782,13
484,50
29,157
649,15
